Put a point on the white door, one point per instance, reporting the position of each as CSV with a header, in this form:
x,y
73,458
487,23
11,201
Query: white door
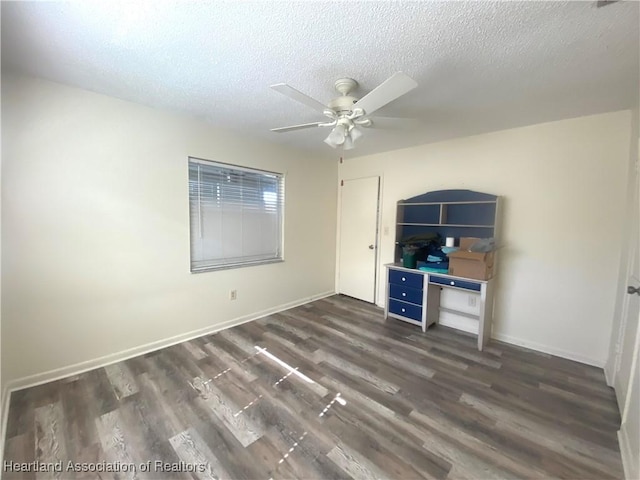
x,y
358,237
628,328
626,376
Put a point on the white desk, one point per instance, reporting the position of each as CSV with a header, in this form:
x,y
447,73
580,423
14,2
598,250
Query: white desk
x,y
413,296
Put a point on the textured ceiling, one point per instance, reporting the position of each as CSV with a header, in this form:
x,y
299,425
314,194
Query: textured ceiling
x,y
480,66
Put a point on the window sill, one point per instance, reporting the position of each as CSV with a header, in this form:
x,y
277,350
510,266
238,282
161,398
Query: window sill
x,y
235,265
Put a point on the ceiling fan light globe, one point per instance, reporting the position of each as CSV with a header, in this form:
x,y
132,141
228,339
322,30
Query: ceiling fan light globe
x,y
334,138
330,143
348,143
337,135
355,133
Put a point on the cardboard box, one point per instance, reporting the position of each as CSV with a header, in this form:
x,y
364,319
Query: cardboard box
x,y
466,242
476,265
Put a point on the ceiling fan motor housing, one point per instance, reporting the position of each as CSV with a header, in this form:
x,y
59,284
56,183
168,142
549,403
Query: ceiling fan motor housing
x,y
343,104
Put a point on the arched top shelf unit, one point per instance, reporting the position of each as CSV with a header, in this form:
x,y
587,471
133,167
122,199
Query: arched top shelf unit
x,y
449,213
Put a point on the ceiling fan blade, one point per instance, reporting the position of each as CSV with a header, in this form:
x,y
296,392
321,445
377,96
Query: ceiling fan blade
x,y
393,87
397,123
297,95
296,127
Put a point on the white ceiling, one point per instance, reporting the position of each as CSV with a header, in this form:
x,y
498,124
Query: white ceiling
x,y
480,66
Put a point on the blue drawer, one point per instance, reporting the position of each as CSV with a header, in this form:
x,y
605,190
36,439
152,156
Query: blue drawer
x,y
452,282
408,279
406,294
405,310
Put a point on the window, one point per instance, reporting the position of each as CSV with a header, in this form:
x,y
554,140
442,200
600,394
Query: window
x,y
236,215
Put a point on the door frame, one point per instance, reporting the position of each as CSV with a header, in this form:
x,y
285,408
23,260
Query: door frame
x,y
631,251
376,254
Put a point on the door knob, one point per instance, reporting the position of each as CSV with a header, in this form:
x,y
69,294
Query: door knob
x,y
371,247
631,290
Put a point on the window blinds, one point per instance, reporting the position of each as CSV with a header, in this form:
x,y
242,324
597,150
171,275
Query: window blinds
x,y
236,215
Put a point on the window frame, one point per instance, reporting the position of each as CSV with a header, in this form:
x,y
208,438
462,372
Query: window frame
x,y
280,209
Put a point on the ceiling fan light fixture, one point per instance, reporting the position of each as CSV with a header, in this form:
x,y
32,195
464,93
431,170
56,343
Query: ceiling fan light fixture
x,y
346,112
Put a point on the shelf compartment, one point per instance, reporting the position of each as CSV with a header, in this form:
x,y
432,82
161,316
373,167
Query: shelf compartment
x,y
419,214
469,214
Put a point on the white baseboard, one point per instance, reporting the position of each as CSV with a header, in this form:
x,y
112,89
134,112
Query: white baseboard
x,y
75,369
608,376
547,349
629,461
539,348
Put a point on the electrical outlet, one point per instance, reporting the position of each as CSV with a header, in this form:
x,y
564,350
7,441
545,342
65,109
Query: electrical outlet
x,y
472,300
233,294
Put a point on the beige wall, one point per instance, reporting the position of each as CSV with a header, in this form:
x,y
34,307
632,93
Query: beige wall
x,y
564,187
95,229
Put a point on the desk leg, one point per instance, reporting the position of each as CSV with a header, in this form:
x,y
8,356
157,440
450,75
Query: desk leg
x,y
386,296
486,314
433,303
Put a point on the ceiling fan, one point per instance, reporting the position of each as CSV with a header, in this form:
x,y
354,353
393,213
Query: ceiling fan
x,y
346,113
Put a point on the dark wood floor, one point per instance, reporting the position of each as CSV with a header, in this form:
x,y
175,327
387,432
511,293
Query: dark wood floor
x,y
337,392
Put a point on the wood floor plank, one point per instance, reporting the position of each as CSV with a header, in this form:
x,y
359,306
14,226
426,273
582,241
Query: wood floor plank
x,y
118,450
355,370
195,350
371,349
158,405
464,464
232,455
82,436
230,362
147,436
193,451
411,459
121,379
277,319
19,447
100,395
489,453
239,340
51,445
355,464
605,408
224,409
419,354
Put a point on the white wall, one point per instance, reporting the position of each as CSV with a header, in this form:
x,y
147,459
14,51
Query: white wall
x,y
564,188
95,229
